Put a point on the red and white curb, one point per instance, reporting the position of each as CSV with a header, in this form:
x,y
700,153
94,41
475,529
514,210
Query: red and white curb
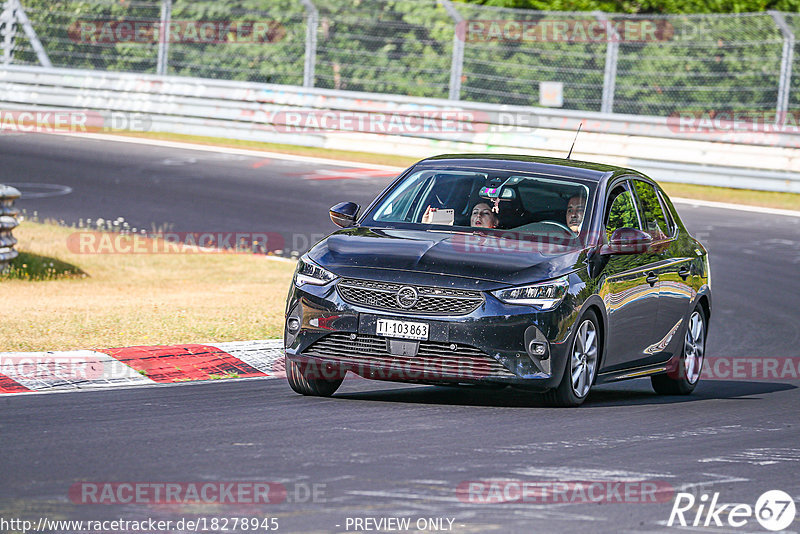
x,y
23,372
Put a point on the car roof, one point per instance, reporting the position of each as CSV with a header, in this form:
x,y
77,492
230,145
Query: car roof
x,y
518,162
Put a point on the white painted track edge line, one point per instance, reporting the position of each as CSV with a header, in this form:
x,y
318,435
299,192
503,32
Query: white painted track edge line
x,y
229,150
277,342
731,206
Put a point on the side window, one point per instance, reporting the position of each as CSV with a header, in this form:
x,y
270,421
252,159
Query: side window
x,y
621,212
672,227
398,206
655,223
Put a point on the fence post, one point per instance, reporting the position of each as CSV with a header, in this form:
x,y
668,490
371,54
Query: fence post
x,y
30,33
162,62
782,105
8,221
610,71
312,25
8,31
457,61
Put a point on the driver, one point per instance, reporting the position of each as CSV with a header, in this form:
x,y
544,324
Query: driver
x,y
576,206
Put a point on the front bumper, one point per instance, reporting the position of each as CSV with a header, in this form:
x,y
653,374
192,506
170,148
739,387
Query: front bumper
x,y
487,346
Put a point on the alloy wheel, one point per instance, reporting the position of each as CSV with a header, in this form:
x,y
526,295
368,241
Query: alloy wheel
x,y
694,347
584,358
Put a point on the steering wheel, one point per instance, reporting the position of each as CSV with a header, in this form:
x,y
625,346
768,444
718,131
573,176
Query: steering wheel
x,y
560,225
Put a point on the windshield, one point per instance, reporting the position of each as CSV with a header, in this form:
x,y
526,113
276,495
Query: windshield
x,y
503,200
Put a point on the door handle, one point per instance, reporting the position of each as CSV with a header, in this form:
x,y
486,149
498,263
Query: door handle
x,y
651,279
684,272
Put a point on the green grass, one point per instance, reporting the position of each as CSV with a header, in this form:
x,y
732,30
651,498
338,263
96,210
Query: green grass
x,y
35,267
768,199
223,377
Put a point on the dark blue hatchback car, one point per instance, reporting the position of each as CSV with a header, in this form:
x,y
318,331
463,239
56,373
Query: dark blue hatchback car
x,y
538,273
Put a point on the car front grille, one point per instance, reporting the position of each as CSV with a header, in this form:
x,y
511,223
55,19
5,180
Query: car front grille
x,y
370,356
430,301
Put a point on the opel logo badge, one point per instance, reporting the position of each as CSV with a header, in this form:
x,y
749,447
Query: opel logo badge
x,y
406,297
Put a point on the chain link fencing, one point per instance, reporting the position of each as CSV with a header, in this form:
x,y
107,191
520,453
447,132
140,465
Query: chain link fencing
x,y
634,64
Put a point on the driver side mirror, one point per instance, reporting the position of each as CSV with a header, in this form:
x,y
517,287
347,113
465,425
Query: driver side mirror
x,y
344,214
627,241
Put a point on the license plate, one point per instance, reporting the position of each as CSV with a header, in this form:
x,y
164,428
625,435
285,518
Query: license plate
x,y
402,329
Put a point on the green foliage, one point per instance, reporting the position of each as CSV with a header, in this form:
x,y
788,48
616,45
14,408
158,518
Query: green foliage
x,y
647,6
621,214
390,46
405,47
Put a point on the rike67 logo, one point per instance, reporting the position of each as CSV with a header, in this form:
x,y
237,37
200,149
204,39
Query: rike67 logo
x,y
774,510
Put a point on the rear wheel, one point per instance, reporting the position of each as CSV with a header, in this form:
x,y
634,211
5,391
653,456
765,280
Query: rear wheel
x,y
690,364
305,384
581,366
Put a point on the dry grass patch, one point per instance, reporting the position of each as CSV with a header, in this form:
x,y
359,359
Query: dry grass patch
x,y
769,199
140,299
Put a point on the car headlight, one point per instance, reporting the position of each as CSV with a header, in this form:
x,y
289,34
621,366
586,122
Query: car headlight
x,y
309,272
545,295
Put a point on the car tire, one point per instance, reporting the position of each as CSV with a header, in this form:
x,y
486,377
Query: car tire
x,y
316,387
690,364
581,364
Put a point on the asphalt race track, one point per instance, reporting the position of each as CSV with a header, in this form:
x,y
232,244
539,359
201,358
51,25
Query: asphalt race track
x,y
381,450
180,190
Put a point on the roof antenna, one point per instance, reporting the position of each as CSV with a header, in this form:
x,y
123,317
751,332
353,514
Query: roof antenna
x,y
576,138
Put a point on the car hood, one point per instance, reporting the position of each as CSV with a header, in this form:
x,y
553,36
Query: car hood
x,y
490,257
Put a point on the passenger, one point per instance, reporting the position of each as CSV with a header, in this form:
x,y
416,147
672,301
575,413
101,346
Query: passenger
x,y
576,207
482,216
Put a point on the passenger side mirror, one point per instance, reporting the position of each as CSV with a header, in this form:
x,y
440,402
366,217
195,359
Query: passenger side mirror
x,y
627,241
344,214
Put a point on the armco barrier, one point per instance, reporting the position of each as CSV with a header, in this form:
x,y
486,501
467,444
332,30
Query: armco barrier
x,y
251,111
8,221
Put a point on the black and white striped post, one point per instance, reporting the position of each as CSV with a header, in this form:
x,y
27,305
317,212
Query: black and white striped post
x,y
8,221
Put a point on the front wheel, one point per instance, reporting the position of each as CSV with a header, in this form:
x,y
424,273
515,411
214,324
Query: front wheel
x,y
581,366
305,384
690,364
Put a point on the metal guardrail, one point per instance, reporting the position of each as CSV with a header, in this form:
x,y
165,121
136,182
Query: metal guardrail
x,y
254,102
252,111
8,221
